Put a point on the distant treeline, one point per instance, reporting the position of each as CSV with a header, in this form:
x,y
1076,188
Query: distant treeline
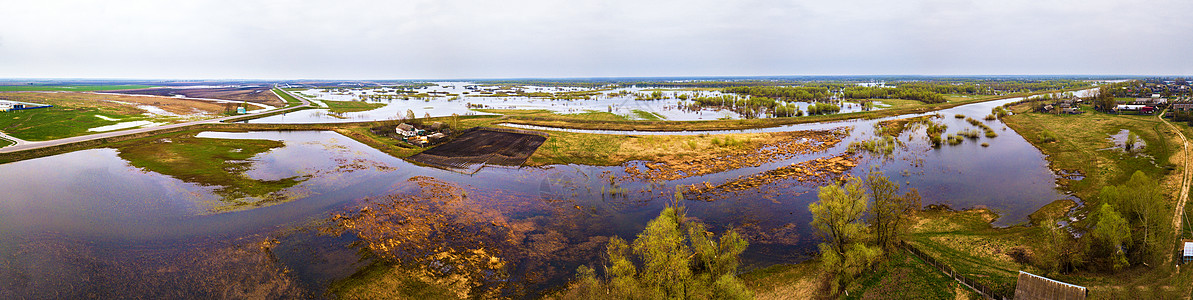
x,y
801,93
924,91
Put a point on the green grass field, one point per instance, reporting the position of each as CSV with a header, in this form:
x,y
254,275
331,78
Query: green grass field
x,y
75,88
58,122
6,143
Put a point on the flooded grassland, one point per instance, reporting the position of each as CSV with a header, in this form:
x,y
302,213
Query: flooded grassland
x,y
315,213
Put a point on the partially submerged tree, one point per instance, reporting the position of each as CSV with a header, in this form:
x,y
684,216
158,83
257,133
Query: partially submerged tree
x,y
837,216
680,260
890,212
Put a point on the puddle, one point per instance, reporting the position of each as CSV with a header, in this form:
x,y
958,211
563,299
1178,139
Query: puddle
x,y
124,125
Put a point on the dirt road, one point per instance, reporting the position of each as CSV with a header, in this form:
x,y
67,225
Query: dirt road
x,y
1184,197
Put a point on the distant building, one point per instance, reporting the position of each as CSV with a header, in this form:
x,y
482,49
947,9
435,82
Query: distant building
x,y
436,137
406,130
1128,107
1184,107
1187,254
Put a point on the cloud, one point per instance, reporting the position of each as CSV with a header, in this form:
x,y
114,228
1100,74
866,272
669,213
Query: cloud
x,y
544,38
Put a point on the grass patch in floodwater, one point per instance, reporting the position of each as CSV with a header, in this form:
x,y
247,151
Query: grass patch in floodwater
x,y
883,146
387,281
646,115
57,122
219,163
351,106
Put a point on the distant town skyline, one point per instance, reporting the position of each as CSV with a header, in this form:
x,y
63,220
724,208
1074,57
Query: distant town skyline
x,y
255,39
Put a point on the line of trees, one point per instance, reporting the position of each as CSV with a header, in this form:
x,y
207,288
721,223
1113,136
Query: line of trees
x,y
918,94
1129,226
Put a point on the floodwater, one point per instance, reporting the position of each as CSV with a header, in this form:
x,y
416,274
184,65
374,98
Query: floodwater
x,y
87,224
620,101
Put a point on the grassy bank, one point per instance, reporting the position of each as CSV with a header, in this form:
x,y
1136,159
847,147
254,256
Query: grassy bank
x,y
900,276
290,100
967,242
1081,143
6,143
899,108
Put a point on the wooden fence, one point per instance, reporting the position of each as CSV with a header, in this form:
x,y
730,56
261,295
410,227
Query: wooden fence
x,y
982,289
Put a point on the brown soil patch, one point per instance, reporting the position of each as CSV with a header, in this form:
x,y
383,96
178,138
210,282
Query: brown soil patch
x,y
261,95
817,171
775,147
483,146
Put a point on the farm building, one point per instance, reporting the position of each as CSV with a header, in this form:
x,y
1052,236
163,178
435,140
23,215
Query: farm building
x,y
1031,286
6,105
1133,107
406,130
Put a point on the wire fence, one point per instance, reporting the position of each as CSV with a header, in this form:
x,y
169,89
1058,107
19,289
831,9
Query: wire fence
x,y
982,289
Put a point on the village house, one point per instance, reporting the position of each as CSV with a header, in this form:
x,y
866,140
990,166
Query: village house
x,y
1133,107
406,130
1150,101
1182,107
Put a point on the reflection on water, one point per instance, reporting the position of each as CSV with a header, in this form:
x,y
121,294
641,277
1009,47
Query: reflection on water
x,y
87,223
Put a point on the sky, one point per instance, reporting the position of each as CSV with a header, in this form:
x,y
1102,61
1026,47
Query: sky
x,y
437,39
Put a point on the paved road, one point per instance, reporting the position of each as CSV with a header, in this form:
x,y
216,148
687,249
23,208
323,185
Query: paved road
x,y
28,145
1185,179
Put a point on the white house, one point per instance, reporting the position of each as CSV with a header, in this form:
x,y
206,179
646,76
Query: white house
x,y
406,130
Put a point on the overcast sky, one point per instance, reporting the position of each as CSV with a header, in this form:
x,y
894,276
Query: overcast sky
x,y
258,39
